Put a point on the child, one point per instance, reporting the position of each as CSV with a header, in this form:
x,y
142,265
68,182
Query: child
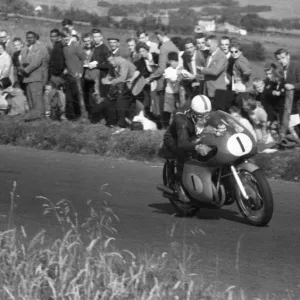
x,y
235,112
258,117
171,75
271,98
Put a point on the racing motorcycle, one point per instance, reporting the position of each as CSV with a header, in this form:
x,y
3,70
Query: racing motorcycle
x,y
222,177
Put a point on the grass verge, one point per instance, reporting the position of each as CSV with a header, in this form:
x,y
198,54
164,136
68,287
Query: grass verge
x,y
84,264
84,138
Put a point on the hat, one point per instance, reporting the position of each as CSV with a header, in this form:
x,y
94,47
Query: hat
x,y
113,39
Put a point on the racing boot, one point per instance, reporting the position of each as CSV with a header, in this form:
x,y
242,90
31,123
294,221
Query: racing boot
x,y
179,188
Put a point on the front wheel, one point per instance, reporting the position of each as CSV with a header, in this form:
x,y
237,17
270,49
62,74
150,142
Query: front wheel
x,y
258,209
183,209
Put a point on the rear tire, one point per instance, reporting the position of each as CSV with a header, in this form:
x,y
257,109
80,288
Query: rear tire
x,y
183,209
259,209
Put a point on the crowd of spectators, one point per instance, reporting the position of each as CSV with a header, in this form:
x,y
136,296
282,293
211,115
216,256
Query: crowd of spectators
x,y
82,77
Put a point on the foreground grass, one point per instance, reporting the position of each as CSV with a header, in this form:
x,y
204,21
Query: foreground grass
x,y
84,264
85,138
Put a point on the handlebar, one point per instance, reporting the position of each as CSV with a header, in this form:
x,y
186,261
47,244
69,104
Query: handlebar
x,y
209,155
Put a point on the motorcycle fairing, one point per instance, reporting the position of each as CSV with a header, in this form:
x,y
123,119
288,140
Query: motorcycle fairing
x,y
196,180
235,142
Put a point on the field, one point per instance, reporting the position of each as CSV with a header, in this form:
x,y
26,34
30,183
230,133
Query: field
x,y
271,43
280,8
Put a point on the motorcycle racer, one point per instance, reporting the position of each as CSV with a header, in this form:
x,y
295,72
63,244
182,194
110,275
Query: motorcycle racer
x,y
186,127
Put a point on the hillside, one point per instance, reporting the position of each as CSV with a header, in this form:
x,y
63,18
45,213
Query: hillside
x,y
280,9
88,5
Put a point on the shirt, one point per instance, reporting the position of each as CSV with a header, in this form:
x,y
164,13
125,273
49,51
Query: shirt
x,y
115,51
228,55
149,62
193,63
171,76
258,116
285,69
210,58
153,47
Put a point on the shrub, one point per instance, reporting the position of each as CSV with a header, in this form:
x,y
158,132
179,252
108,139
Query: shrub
x,y
255,51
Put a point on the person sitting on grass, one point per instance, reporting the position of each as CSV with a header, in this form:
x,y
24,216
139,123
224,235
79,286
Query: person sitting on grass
x,y
236,113
120,77
268,100
257,116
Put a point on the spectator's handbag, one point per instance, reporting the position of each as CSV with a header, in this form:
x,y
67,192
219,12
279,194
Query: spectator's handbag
x,y
138,85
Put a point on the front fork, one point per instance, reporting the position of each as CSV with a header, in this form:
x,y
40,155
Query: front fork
x,y
239,182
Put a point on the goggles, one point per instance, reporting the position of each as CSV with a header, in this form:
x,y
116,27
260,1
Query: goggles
x,y
199,117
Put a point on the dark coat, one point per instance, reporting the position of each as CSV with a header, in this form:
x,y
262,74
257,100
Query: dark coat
x,y
142,67
178,137
57,60
200,61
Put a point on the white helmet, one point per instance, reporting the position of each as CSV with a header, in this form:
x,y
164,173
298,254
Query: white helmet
x,y
200,104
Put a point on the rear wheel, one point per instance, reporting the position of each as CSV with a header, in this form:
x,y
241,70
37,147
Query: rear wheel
x,y
258,209
183,209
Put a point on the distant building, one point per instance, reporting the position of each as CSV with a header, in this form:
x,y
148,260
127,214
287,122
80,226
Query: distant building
x,y
161,17
205,26
87,5
38,10
227,27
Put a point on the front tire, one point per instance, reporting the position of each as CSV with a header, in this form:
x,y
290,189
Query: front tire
x,y
183,209
258,209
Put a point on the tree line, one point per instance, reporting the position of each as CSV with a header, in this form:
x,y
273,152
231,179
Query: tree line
x,y
181,20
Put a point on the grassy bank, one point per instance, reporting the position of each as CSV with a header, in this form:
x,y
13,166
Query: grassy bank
x,y
85,138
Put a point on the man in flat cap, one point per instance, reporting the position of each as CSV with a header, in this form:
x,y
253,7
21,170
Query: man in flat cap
x,y
114,45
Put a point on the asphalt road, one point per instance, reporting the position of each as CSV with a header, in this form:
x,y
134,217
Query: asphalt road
x,y
226,250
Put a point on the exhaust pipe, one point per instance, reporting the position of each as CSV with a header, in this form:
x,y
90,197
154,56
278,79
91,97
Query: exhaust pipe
x,y
165,190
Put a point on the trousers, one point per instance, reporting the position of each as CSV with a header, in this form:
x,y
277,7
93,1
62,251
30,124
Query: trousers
x,y
36,103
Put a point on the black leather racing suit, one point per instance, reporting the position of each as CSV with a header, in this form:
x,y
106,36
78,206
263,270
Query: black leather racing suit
x,y
179,135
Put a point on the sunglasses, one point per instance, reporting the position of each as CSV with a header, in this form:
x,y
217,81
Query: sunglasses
x,y
236,51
